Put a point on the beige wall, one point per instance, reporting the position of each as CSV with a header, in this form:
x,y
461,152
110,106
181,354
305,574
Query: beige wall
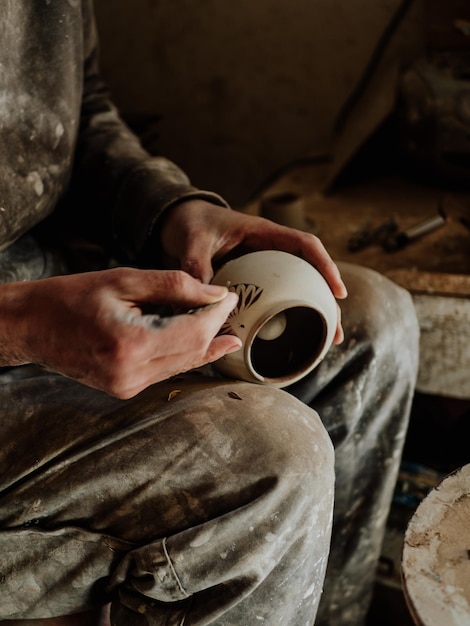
x,y
241,88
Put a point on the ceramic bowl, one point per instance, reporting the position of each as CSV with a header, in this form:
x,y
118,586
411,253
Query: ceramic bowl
x,y
286,318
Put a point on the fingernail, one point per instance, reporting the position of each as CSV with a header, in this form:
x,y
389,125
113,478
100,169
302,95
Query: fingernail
x,y
233,349
215,291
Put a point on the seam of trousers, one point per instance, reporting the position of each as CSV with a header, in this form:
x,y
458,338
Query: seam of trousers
x,y
171,566
149,571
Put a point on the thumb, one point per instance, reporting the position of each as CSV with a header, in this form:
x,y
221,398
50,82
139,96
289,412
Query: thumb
x,y
197,261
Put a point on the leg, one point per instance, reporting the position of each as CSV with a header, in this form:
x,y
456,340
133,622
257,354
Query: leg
x,y
211,507
363,392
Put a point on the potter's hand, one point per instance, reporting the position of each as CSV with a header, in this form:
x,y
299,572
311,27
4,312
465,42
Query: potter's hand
x,y
195,235
91,326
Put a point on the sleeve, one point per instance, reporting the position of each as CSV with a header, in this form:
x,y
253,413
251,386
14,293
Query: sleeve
x,y
130,188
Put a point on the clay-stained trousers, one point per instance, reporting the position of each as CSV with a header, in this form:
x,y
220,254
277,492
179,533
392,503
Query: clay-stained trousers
x,y
209,501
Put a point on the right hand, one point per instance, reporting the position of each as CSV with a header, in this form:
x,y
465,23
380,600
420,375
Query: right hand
x,y
90,326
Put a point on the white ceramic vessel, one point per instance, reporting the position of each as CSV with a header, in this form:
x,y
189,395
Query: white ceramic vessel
x,y
286,317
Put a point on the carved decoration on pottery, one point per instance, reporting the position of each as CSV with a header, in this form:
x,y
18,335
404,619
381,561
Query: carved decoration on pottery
x,y
247,296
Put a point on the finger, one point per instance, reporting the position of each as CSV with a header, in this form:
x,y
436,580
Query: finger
x,y
328,268
197,261
171,346
220,346
339,334
192,235
159,369
166,287
302,244
162,368
181,334
217,348
204,324
312,250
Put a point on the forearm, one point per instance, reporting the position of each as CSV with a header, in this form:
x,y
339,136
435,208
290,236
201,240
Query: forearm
x,y
14,328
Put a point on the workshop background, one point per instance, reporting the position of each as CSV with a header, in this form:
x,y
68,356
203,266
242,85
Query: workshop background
x,y
358,112
233,92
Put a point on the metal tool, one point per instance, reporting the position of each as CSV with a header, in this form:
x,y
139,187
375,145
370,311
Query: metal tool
x,y
403,238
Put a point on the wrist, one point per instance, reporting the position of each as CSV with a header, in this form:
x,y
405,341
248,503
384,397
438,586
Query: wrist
x,y
15,330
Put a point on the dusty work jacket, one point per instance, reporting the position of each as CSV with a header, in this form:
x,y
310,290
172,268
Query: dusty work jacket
x,y
60,132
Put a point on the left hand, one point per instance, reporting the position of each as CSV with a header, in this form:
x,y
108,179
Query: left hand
x,y
195,235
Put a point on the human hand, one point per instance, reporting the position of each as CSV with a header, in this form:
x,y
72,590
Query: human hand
x,y
91,326
196,235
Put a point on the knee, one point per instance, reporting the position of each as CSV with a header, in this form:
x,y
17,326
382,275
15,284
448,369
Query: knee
x,y
378,310
262,443
218,446
260,480
285,443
